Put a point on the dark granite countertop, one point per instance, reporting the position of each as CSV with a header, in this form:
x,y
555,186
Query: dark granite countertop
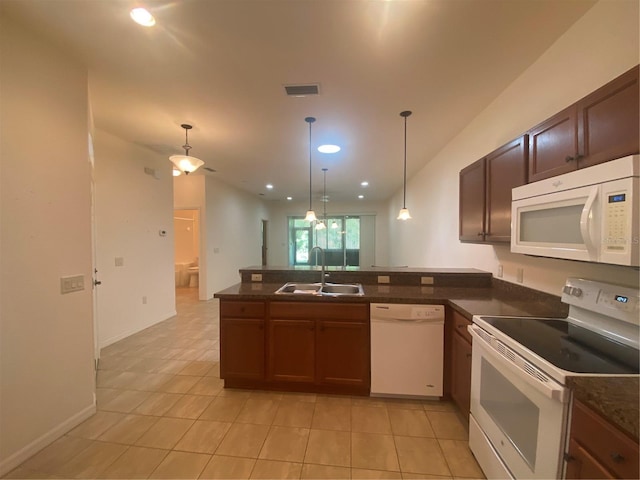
x,y
615,398
467,301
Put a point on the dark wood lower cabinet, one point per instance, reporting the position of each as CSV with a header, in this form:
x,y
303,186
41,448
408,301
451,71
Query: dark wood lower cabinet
x,y
300,346
343,353
598,449
459,361
292,356
242,352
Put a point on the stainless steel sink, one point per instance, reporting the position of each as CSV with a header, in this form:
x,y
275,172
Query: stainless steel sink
x,y
328,289
342,289
300,289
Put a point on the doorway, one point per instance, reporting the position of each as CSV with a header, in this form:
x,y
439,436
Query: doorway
x,y
186,227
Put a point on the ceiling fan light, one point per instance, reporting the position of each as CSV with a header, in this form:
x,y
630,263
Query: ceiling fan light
x,y
176,172
404,214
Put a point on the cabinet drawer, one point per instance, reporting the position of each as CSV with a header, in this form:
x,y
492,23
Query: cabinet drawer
x,y
322,311
241,309
612,448
460,325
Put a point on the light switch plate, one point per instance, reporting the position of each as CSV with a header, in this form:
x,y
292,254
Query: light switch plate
x,y
71,284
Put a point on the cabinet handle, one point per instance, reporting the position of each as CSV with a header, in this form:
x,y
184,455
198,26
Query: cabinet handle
x,y
480,234
616,457
460,326
569,158
568,457
312,328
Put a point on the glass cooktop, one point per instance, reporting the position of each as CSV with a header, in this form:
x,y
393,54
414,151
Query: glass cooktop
x,y
568,346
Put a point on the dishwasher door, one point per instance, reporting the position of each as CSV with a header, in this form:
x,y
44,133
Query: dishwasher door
x,y
407,350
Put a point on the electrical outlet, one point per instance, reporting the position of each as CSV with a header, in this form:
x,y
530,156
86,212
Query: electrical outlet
x,y
383,279
426,280
500,271
256,277
520,277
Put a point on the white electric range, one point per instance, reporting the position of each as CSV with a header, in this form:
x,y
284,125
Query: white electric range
x,y
519,394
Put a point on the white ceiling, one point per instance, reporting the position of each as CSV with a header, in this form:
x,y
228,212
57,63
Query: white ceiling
x,y
221,66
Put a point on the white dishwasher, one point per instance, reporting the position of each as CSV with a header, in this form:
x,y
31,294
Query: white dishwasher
x,y
407,350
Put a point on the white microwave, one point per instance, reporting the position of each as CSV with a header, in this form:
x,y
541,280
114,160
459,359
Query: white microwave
x,y
590,214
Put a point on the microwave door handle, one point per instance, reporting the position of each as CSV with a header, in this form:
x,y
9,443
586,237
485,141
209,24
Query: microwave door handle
x,y
585,221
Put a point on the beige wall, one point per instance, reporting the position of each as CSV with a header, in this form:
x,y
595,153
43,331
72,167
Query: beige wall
x,y
46,339
597,48
131,209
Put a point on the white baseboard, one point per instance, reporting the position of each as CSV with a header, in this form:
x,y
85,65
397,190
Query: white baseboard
x,y
8,464
138,328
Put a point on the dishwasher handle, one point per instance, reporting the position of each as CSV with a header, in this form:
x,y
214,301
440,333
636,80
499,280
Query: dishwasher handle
x,y
431,321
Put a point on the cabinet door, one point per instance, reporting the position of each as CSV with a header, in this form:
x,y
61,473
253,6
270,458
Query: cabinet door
x,y
343,353
506,169
580,464
608,121
461,373
553,145
242,348
472,202
291,350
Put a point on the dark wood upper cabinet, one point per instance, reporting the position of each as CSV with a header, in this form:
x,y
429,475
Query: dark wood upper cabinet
x,y
472,206
608,122
553,145
602,126
485,193
506,168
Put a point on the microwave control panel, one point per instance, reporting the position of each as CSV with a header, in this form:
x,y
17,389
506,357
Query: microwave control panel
x,y
616,215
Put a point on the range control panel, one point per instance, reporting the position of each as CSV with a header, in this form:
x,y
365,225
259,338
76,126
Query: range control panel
x,y
617,301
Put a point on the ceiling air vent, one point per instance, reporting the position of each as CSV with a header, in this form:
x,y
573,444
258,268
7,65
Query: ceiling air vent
x,y
302,90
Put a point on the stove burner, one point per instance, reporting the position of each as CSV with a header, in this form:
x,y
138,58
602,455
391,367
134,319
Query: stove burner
x,y
568,346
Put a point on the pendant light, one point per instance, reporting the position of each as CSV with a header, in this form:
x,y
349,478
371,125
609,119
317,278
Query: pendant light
x,y
323,223
404,211
185,163
311,215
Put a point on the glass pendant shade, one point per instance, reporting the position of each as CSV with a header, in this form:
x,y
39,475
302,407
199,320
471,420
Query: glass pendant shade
x,y
311,216
320,225
334,225
404,214
186,163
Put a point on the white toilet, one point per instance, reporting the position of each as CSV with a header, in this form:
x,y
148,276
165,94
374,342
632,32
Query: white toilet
x,y
193,273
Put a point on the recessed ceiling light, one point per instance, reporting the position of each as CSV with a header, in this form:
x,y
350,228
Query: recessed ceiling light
x,y
328,148
360,196
142,17
289,198
364,184
269,186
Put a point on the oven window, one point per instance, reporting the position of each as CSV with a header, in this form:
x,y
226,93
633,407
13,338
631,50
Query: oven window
x,y
552,225
511,410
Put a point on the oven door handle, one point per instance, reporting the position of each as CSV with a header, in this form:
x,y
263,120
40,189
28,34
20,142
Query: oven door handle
x,y
549,389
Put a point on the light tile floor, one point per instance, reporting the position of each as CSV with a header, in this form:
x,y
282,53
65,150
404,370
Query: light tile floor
x,y
163,413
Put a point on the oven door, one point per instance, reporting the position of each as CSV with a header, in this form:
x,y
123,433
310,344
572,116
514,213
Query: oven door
x,y
521,411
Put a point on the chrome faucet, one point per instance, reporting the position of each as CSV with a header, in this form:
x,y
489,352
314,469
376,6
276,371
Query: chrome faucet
x,y
322,271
